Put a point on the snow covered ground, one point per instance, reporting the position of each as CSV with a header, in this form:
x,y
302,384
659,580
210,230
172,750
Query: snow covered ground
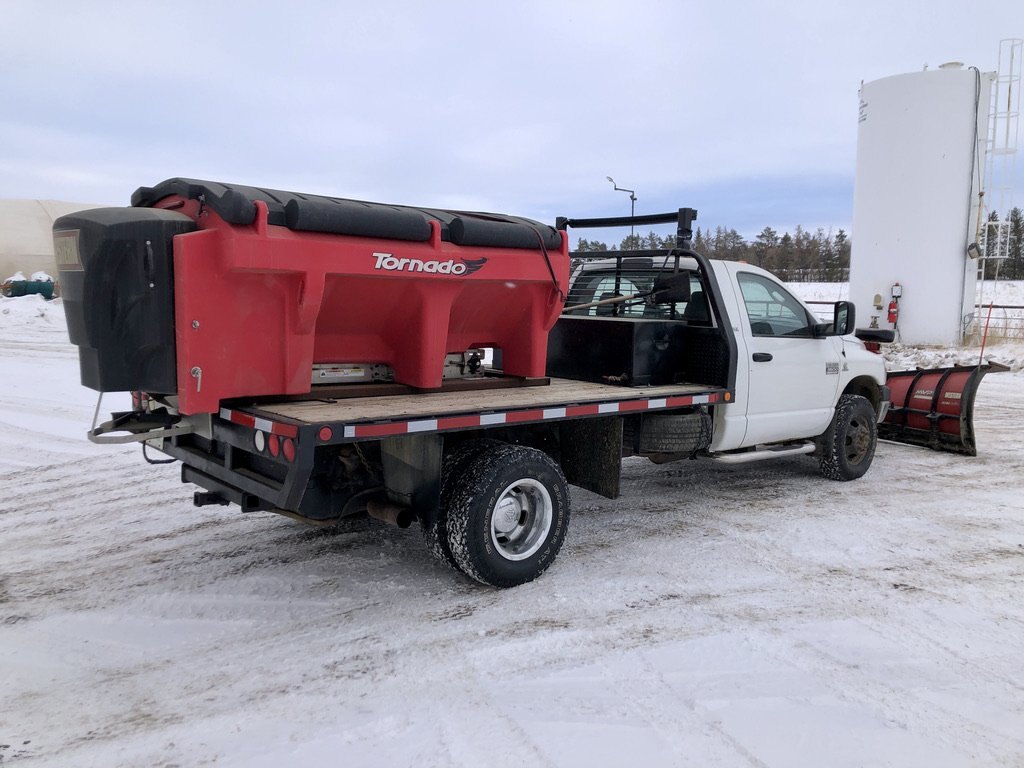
x,y
995,291
712,616
1004,342
1003,321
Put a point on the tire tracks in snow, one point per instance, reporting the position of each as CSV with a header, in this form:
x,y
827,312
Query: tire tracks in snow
x,y
255,614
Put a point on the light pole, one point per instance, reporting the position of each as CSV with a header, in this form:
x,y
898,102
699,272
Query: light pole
x,y
632,205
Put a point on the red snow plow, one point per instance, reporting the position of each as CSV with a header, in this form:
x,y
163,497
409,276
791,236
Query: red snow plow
x,y
934,408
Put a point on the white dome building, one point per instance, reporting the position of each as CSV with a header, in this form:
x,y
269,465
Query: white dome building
x,y
26,236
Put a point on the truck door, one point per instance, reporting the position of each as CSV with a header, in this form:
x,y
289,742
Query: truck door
x,y
792,377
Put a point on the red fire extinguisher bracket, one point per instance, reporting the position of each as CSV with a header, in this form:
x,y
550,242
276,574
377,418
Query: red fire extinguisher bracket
x,y
894,311
893,314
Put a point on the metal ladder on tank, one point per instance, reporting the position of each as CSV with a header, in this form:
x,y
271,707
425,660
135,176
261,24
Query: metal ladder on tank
x,y
993,235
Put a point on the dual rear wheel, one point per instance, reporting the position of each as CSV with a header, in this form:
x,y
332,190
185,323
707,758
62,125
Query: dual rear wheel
x,y
503,512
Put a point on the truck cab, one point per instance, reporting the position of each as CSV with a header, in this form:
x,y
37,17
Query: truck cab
x,y
791,368
733,325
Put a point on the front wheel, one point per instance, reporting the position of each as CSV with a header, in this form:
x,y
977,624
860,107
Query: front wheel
x,y
508,515
848,445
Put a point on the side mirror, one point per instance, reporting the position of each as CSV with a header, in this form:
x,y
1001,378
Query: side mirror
x,y
844,316
671,289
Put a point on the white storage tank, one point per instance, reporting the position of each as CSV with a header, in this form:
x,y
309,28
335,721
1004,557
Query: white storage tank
x,y
920,157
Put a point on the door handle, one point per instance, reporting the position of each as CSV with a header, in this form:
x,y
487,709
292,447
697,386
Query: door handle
x,y
762,357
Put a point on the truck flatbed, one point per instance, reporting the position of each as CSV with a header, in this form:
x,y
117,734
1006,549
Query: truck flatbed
x,y
374,417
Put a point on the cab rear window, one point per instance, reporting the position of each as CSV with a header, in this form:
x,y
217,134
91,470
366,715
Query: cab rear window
x,y
599,286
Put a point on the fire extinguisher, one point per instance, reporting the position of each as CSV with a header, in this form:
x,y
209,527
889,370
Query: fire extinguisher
x,y
894,304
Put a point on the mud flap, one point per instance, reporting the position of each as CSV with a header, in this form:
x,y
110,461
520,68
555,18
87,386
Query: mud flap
x,y
592,454
934,408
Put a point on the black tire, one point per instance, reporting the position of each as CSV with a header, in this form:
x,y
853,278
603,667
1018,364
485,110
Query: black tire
x,y
436,535
508,515
675,433
848,445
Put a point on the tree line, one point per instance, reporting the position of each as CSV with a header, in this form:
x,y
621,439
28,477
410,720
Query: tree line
x,y
821,256
1006,242
800,256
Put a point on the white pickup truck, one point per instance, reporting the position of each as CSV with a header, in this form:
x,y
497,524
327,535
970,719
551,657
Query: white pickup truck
x,y
664,355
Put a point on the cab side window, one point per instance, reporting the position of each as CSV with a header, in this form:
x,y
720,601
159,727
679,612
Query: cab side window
x,y
772,310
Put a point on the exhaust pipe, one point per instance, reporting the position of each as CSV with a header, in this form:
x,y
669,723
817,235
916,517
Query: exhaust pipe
x,y
390,512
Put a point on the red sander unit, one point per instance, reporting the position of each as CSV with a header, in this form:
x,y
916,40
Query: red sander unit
x,y
246,292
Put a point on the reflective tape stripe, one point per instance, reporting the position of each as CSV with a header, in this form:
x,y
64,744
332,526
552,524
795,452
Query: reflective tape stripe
x,y
266,425
473,421
427,425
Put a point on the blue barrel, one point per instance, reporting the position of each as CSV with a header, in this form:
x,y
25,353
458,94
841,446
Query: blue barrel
x,y
28,287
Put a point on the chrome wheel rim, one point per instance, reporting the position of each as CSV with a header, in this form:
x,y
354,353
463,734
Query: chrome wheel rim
x,y
521,519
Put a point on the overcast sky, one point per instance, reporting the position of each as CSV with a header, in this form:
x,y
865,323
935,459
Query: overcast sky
x,y
746,111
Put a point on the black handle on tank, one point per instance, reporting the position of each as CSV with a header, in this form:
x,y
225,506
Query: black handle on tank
x,y
148,265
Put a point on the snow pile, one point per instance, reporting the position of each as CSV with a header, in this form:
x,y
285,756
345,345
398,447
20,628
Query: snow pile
x,y
32,318
899,357
41,277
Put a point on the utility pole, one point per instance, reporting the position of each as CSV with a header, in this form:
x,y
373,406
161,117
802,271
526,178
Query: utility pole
x,y
632,203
